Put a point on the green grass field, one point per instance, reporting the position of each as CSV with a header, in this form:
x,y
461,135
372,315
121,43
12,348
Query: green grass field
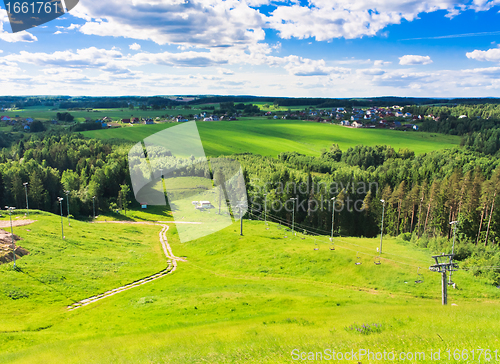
x,y
238,299
271,137
47,114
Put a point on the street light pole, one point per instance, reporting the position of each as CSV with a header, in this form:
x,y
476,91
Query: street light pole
x,y
293,215
93,205
25,184
60,200
241,219
265,208
333,216
382,227
67,200
12,234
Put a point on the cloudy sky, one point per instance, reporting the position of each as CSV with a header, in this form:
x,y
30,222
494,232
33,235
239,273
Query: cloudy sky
x,y
320,48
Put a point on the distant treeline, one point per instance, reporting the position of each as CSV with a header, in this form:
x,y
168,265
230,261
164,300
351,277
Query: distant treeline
x,y
81,102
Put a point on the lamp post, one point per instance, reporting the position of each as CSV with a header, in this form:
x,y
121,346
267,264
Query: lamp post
x,y
93,205
293,214
382,227
454,223
60,200
241,218
12,234
67,200
265,208
25,184
333,216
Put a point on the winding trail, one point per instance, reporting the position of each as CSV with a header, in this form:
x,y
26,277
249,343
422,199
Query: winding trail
x,y
172,266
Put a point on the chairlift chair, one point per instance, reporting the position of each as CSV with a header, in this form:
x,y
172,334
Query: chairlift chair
x,y
316,247
377,261
332,247
358,259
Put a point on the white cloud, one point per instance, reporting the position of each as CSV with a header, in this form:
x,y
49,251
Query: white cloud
x,y
380,63
328,19
492,55
204,23
412,60
135,46
224,71
23,36
74,26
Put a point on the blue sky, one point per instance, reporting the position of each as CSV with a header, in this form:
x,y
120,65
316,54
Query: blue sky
x,y
317,48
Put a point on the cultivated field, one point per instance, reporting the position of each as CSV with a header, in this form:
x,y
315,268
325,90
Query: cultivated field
x,y
237,299
270,137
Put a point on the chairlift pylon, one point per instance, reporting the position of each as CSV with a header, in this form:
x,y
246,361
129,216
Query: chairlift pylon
x,y
419,275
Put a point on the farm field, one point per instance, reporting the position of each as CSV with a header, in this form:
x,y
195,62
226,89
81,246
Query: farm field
x,y
237,299
271,137
46,114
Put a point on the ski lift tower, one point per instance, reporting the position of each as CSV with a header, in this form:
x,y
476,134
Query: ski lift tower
x,y
444,263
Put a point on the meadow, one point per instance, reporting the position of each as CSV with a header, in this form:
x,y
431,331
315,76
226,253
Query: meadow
x,y
43,113
237,299
270,137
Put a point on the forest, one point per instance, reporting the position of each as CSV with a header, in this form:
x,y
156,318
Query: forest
x,y
422,193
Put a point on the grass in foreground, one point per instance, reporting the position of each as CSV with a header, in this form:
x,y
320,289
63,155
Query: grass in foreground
x,y
250,299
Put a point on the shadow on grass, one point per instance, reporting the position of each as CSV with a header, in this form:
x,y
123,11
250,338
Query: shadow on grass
x,y
25,272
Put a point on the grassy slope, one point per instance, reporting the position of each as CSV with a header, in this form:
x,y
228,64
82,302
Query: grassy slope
x,y
238,299
271,137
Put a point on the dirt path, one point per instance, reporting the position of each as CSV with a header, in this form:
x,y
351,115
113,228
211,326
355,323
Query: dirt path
x,y
172,266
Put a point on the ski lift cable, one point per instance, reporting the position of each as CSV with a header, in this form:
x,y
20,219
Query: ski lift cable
x,y
368,254
296,224
359,246
338,239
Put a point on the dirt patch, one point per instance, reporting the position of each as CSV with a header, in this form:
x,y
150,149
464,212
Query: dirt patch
x,y
6,247
23,222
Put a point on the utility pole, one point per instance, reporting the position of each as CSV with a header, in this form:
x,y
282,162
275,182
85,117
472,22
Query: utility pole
x,y
382,227
25,184
93,205
67,200
454,223
333,216
293,214
60,200
444,263
12,234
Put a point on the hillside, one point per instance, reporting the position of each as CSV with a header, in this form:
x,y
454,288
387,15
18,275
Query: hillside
x,y
237,299
271,137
